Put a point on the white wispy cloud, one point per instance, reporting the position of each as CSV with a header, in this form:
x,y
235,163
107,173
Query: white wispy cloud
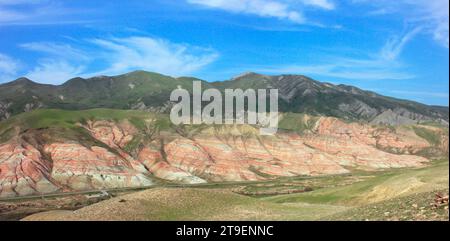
x,y
395,45
442,95
263,8
56,49
381,65
432,16
54,71
59,62
17,2
120,55
282,9
125,54
370,70
8,67
10,14
437,12
7,64
39,12
325,4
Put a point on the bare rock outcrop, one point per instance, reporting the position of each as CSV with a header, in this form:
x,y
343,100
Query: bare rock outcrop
x,y
233,153
24,171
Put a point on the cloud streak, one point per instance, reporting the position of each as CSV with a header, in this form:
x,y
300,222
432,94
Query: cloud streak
x,y
125,54
395,45
8,67
119,55
432,16
56,49
39,12
324,4
280,9
383,65
441,95
262,8
55,71
369,71
438,13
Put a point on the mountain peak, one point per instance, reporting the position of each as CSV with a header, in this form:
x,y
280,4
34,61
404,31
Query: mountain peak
x,y
74,81
139,72
22,80
246,74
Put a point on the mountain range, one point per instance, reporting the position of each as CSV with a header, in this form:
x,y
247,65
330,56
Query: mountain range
x,y
114,132
50,151
140,90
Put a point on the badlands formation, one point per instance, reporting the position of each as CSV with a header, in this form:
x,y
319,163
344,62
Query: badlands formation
x,y
116,154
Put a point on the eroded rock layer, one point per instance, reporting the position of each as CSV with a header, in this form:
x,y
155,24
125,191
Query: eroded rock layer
x,y
117,154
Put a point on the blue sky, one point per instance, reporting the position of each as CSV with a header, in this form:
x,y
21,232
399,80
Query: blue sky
x,y
397,48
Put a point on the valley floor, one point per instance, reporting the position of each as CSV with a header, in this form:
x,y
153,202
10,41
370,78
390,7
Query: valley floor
x,y
402,194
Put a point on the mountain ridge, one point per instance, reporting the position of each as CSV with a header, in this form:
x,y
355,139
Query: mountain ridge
x,y
142,90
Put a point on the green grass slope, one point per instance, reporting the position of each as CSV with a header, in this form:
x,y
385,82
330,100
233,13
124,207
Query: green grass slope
x,y
382,186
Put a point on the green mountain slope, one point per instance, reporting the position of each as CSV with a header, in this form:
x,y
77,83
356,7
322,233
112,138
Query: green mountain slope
x,y
304,95
142,90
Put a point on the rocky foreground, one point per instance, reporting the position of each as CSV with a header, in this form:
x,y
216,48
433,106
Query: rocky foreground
x,y
115,154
